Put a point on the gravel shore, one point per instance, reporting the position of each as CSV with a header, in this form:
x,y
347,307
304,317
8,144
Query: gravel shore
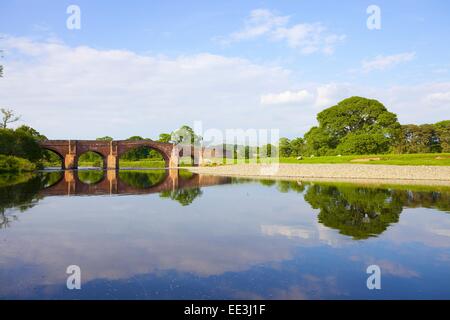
x,y
423,175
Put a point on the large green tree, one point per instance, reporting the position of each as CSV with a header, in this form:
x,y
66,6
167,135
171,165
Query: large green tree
x,y
350,123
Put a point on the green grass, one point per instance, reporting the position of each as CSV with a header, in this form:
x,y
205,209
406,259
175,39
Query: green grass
x,y
426,159
429,159
145,163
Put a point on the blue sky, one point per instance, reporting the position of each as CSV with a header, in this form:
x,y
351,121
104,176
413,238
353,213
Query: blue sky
x,y
246,64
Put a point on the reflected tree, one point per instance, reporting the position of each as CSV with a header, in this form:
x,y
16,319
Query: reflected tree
x,y
20,192
91,176
142,179
184,196
355,211
286,186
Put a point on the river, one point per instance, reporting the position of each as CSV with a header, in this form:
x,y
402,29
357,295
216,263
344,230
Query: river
x,y
159,235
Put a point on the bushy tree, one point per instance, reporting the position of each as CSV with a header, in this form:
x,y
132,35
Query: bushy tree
x,y
32,132
21,144
443,134
285,147
105,138
425,138
186,135
363,143
164,137
355,115
297,146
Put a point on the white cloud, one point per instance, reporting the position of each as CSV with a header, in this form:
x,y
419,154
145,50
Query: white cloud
x,y
439,97
260,22
382,62
317,96
82,92
287,97
306,37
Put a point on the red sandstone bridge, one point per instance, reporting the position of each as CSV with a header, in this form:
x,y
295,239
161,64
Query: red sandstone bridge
x,y
110,151
71,185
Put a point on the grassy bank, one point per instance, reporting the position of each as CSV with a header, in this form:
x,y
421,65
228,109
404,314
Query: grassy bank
x,y
425,159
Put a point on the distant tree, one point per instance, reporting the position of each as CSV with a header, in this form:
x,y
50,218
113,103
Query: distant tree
x,y
419,139
105,138
136,138
1,71
164,137
285,147
267,150
186,135
8,117
247,152
443,134
297,146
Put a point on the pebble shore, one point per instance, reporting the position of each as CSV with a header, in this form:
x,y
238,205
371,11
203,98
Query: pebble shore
x,y
429,175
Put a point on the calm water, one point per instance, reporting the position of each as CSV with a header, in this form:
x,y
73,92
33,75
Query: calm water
x,y
162,235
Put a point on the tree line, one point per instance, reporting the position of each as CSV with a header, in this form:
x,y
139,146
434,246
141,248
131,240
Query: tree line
x,y
354,126
364,126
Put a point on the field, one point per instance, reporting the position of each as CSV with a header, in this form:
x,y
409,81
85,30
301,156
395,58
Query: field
x,y
425,159
422,159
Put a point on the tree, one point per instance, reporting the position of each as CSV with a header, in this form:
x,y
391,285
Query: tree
x,y
443,134
363,143
424,138
32,132
355,115
186,135
105,138
267,150
21,144
1,71
297,146
355,211
8,117
164,137
285,147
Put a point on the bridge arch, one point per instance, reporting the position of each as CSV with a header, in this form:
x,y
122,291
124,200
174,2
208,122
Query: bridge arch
x,y
164,149
96,152
56,152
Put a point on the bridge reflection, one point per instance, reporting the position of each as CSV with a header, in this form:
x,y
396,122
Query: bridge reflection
x,y
116,182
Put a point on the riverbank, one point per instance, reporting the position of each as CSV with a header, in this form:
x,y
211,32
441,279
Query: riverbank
x,y
364,173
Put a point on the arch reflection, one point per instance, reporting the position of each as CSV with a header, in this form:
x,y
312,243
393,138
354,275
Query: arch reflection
x,y
130,182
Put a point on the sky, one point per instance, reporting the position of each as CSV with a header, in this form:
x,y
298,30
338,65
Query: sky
x,y
147,67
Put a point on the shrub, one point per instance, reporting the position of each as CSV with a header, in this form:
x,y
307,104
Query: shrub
x,y
15,164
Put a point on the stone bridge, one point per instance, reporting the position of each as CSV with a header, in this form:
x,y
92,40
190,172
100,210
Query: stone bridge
x,y
70,184
70,150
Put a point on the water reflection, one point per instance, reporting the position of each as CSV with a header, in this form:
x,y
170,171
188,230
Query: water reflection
x,y
242,239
